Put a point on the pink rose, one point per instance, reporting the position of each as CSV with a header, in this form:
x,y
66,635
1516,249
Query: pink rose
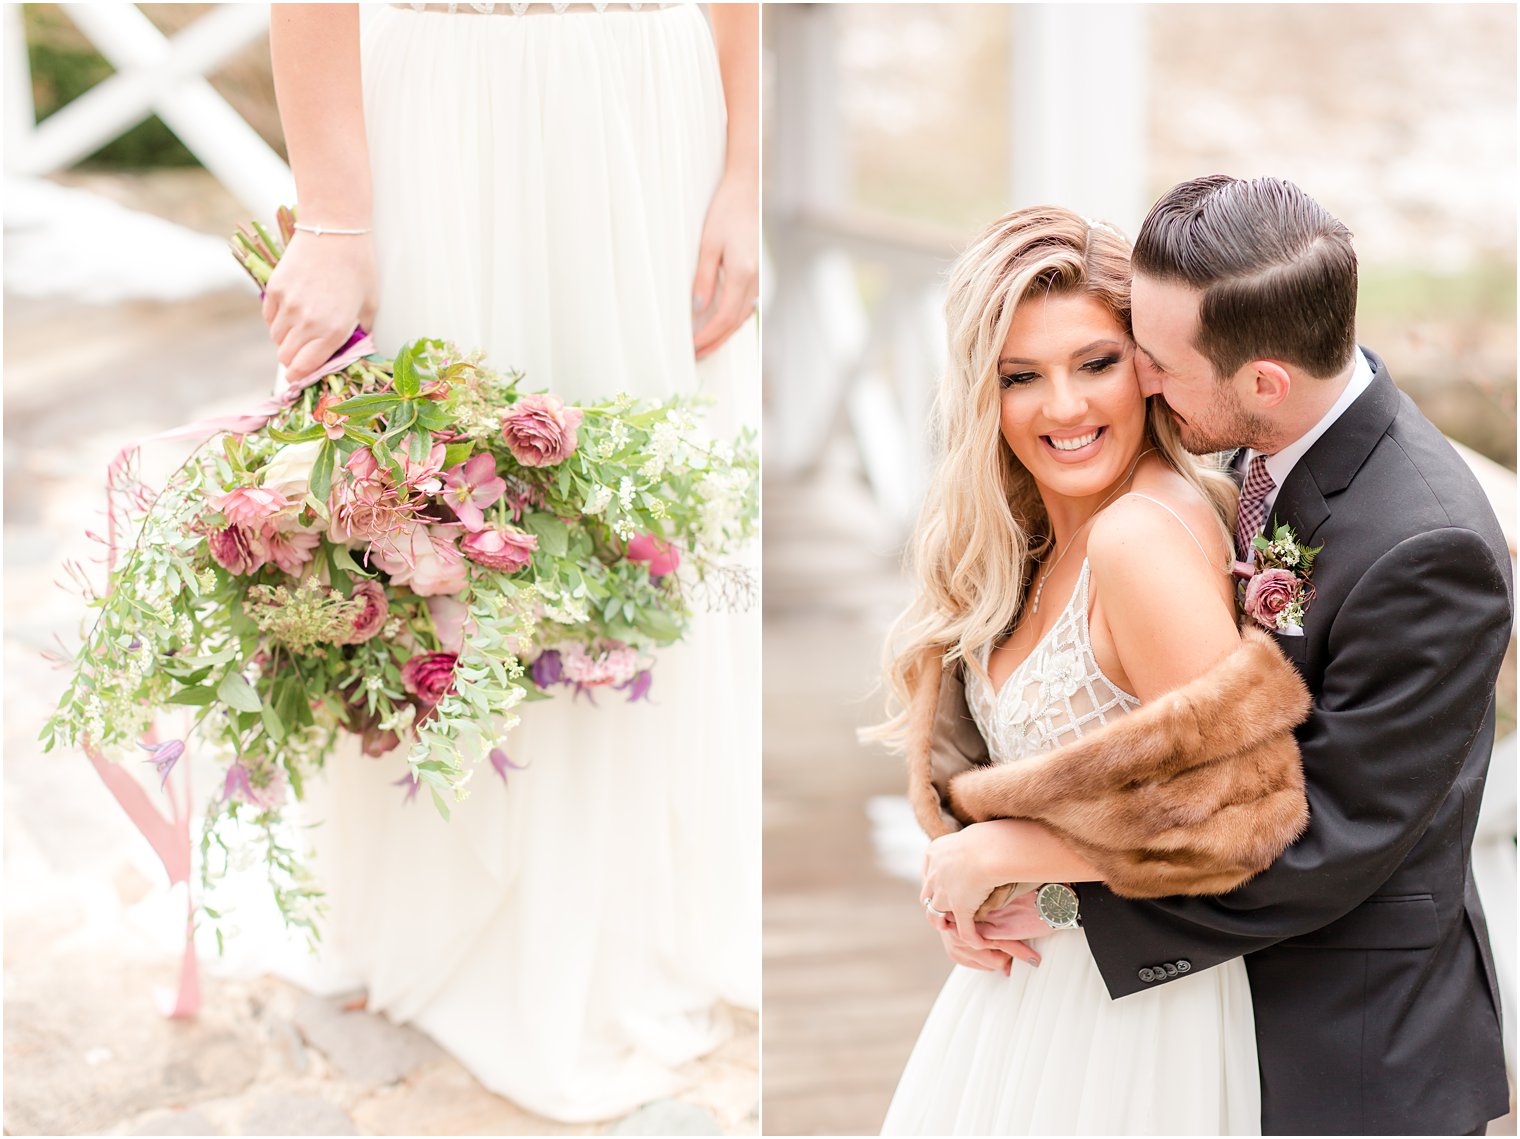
x,y
1269,594
372,612
425,559
429,676
249,505
540,430
290,550
662,557
237,550
507,550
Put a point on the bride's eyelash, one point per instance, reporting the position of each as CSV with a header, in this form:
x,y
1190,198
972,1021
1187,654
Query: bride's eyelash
x,y
1100,365
1007,380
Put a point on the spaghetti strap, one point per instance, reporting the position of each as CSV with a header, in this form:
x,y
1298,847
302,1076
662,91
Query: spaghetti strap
x,y
1180,519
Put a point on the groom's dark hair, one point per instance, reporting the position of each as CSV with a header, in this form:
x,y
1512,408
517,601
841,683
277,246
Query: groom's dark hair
x,y
1275,269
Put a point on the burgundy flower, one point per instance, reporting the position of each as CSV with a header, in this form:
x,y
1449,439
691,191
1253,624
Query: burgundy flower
x,y
237,550
364,723
507,550
540,430
429,676
372,613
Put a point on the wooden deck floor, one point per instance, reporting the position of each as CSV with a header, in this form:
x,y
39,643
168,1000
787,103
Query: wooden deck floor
x,y
850,967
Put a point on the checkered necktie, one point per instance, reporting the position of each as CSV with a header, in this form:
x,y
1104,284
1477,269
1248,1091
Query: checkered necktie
x,y
1253,506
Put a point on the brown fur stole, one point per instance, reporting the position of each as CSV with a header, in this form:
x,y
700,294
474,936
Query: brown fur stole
x,y
1193,793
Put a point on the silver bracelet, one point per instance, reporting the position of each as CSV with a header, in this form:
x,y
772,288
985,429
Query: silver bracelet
x,y
319,230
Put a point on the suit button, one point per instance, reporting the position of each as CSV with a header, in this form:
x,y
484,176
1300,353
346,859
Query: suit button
x,y
1184,965
1171,970
1147,975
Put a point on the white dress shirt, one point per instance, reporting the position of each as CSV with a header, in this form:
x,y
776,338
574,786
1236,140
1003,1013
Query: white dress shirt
x,y
1281,464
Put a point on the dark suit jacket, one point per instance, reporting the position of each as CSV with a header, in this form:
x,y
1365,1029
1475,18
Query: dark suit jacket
x,y
1373,984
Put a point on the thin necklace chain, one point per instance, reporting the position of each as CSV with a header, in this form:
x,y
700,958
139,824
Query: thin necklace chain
x,y
1039,588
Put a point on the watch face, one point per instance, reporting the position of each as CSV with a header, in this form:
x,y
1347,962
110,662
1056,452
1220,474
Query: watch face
x,y
1057,905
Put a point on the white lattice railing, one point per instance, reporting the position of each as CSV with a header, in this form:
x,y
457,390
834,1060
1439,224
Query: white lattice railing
x,y
155,74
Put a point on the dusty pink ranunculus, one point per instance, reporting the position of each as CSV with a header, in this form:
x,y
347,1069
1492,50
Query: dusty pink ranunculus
x,y
662,557
372,612
250,506
540,430
425,559
1268,594
290,549
237,550
429,676
507,550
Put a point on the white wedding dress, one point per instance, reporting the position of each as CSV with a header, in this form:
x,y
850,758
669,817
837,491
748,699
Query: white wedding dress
x,y
540,182
1046,1051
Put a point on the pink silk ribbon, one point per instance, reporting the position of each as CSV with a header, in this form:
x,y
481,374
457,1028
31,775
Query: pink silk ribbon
x,y
169,836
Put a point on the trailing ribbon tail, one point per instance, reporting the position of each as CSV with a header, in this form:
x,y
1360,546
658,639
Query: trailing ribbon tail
x,y
170,837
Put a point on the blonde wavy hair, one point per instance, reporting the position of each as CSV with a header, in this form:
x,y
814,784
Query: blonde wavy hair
x,y
983,528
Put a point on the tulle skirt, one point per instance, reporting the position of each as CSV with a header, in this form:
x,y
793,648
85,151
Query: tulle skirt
x,y
1046,1052
540,186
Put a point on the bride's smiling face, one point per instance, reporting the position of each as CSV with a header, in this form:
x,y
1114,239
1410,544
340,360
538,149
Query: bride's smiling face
x,y
1072,411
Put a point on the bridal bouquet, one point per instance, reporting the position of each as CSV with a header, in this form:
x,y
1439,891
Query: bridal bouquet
x,y
404,550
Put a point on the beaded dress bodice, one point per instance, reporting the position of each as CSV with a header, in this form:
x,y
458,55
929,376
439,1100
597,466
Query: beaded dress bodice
x,y
1055,695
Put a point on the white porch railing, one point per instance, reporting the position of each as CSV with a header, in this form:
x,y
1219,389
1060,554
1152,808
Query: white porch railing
x,y
154,75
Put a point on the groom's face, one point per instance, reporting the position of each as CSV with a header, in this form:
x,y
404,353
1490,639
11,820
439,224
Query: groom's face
x,y
1208,410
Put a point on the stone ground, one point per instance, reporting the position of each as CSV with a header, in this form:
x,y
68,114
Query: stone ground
x,y
88,922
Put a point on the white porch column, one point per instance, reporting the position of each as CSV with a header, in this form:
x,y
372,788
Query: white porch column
x,y
1079,126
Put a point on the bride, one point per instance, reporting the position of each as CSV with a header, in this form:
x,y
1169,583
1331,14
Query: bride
x,y
572,189
1074,558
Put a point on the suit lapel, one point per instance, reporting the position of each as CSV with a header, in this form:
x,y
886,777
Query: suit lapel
x,y
1304,502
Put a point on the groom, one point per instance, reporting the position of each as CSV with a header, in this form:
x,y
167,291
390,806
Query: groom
x,y
1375,997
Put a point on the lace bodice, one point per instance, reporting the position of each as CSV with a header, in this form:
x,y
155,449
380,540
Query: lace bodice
x,y
1055,695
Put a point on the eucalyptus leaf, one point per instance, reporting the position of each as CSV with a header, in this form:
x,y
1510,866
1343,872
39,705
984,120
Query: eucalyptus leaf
x,y
322,471
553,535
237,693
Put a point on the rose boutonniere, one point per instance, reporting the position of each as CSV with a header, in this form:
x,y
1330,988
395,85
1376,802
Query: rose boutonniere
x,y
1275,590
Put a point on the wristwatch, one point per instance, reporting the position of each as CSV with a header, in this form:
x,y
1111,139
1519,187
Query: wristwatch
x,y
1056,903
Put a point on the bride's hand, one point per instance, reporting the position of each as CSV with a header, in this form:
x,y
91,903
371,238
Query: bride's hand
x,y
957,881
988,960
728,264
1009,927
322,287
